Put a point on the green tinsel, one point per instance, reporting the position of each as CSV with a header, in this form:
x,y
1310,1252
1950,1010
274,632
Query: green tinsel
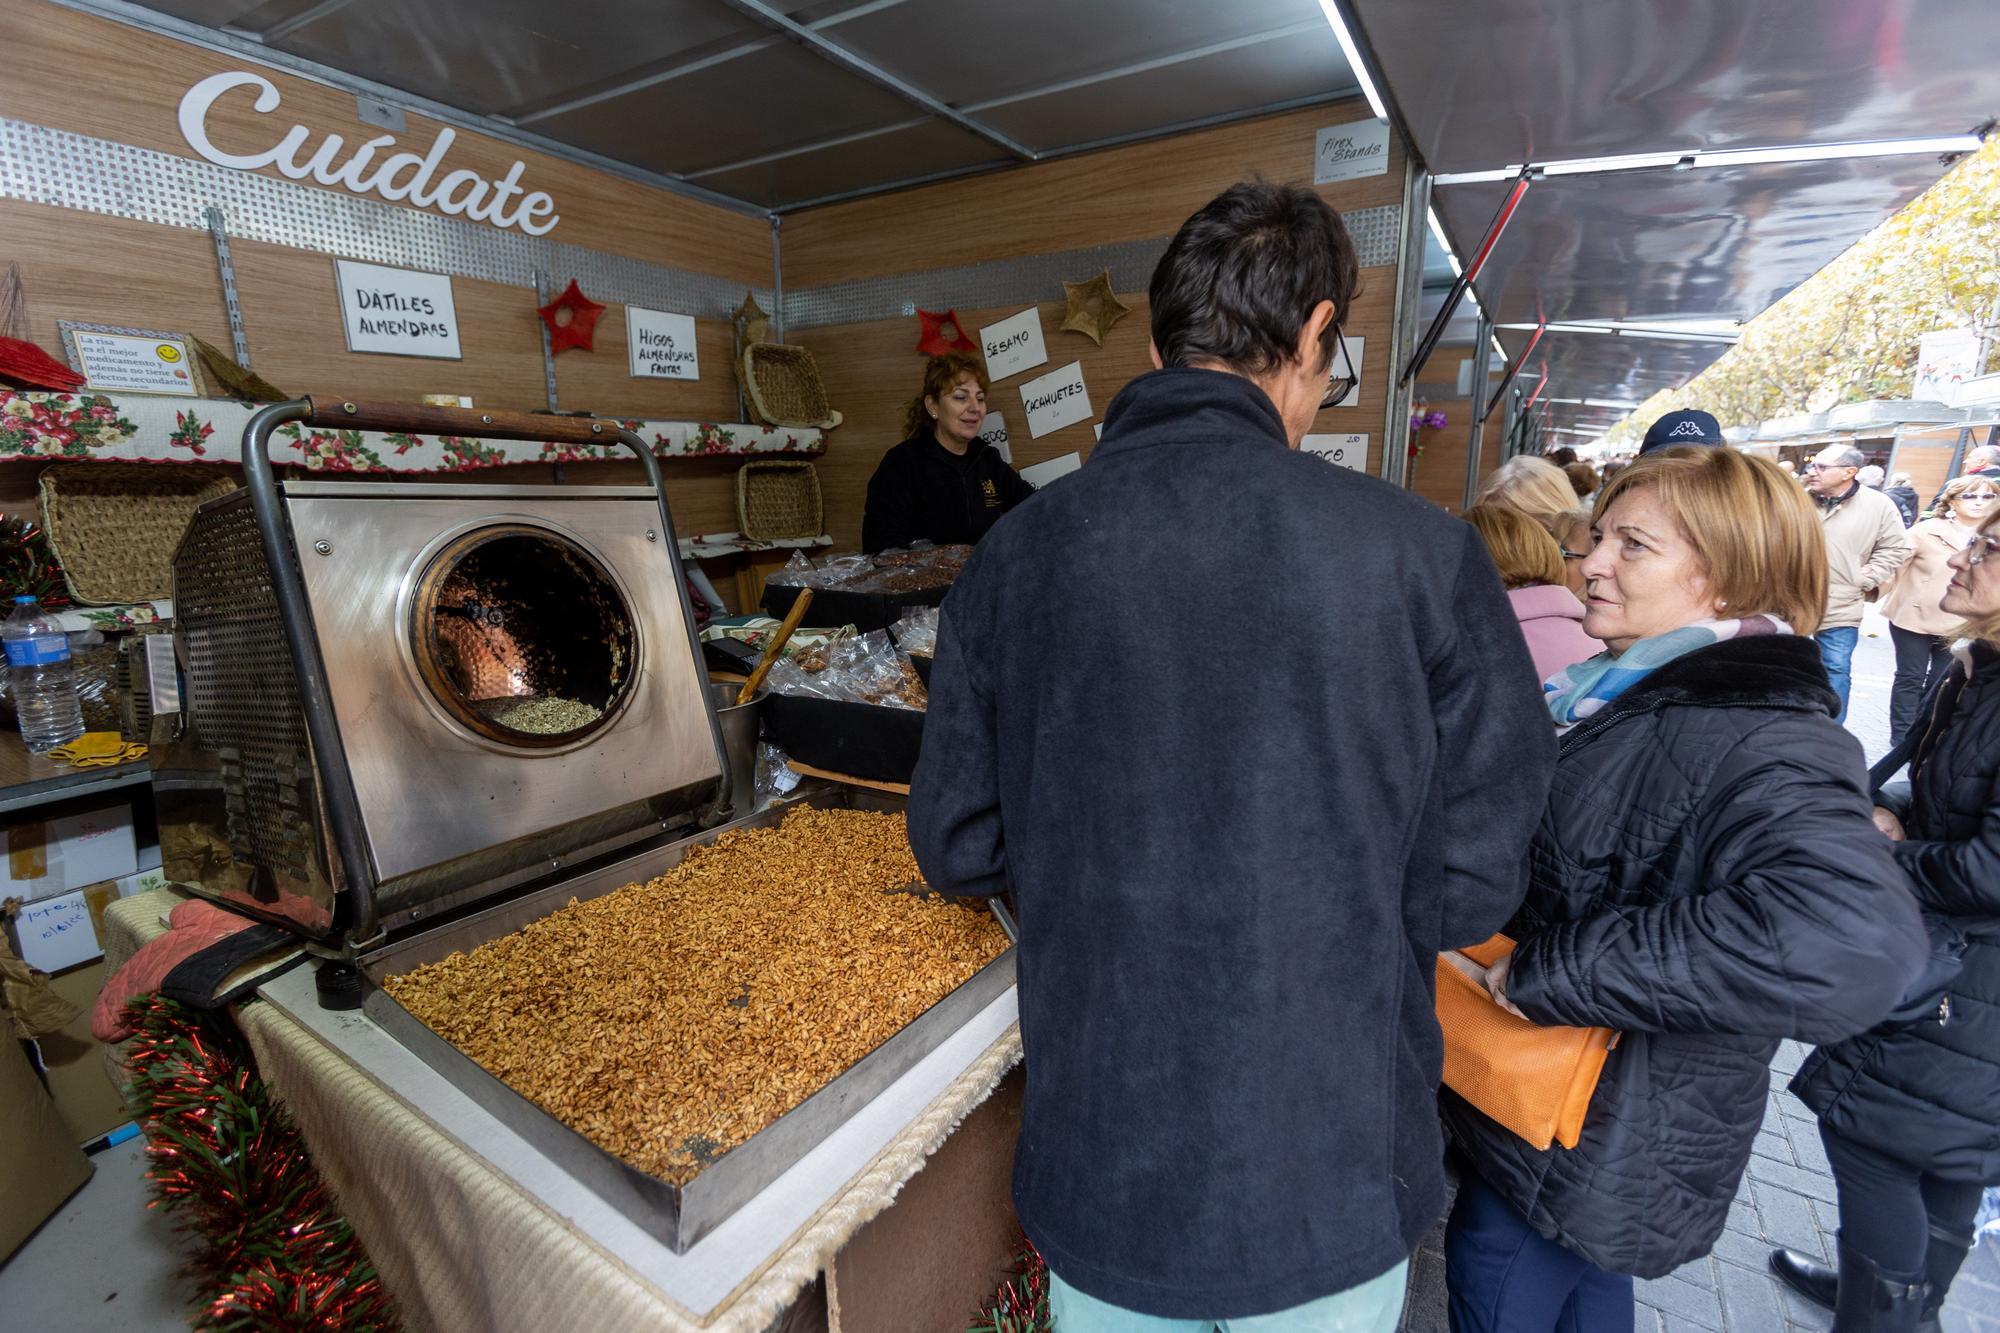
x,y
275,1254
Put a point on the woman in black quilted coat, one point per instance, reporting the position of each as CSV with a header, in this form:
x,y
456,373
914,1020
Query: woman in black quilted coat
x,y
1706,881
1910,1115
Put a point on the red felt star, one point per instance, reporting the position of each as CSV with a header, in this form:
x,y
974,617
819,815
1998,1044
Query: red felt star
x,y
942,334
580,329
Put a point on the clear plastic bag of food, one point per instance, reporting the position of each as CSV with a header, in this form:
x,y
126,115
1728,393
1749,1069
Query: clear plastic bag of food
x,y
916,632
797,573
865,669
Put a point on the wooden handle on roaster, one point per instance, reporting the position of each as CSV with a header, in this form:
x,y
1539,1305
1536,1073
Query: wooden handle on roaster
x,y
775,646
470,422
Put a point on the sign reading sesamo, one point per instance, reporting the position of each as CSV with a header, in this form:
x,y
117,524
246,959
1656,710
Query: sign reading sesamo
x,y
402,177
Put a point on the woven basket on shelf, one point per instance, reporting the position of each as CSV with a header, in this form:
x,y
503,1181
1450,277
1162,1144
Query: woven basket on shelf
x,y
778,502
114,526
783,387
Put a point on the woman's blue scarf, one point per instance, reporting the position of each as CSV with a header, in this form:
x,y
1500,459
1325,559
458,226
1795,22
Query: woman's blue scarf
x,y
1576,692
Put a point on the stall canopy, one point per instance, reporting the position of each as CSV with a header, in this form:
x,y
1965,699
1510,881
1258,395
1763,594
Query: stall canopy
x,y
1692,160
779,104
1740,135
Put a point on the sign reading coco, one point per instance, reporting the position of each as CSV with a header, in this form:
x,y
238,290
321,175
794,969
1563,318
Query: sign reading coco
x,y
399,176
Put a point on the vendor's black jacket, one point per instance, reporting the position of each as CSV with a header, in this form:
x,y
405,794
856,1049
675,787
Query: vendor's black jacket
x,y
1250,736
1706,881
923,492
1929,1094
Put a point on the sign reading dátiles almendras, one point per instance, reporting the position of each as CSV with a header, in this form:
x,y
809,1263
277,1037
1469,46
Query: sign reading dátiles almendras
x,y
402,177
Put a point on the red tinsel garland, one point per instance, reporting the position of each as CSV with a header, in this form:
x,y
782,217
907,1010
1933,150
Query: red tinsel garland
x,y
1021,1303
276,1254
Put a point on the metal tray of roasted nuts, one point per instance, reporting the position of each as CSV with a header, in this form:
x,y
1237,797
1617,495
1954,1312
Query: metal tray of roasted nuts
x,y
681,1214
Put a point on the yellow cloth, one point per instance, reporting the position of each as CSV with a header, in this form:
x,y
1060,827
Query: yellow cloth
x,y
98,749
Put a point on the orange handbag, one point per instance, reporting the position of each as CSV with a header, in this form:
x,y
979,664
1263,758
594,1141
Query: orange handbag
x,y
1535,1081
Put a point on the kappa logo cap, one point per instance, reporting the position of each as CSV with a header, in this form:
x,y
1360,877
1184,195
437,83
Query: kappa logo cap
x,y
1695,428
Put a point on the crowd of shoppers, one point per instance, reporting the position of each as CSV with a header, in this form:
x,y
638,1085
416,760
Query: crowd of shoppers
x,y
1609,735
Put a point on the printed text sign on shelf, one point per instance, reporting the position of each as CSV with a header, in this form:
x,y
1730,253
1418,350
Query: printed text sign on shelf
x,y
1014,344
660,345
397,311
1350,451
143,365
1347,152
1055,400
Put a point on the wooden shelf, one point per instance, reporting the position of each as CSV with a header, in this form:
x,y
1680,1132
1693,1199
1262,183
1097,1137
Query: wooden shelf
x,y
28,780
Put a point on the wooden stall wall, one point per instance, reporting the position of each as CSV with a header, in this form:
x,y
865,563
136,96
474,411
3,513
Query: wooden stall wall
x,y
872,370
95,268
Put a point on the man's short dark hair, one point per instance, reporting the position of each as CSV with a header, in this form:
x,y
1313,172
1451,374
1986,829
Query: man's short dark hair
x,y
1242,276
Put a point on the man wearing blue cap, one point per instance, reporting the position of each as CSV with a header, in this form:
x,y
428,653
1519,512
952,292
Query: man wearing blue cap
x,y
1675,428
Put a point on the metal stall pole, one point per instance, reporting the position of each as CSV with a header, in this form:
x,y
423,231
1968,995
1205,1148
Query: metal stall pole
x,y
1404,321
1482,365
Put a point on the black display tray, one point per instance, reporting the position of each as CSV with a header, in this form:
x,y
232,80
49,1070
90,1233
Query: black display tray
x,y
862,740
863,610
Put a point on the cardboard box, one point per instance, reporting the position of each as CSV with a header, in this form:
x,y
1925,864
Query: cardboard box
x,y
80,1078
46,854
40,1162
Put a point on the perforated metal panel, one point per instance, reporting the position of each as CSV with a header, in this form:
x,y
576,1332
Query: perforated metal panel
x,y
1032,278
241,694
47,166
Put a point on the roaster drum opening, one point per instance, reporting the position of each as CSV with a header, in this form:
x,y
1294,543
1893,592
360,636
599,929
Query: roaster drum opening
x,y
523,636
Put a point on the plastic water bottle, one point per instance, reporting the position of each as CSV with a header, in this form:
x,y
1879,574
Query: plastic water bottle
x,y
40,677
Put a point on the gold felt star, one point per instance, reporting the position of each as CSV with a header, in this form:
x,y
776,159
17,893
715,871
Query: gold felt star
x,y
1093,309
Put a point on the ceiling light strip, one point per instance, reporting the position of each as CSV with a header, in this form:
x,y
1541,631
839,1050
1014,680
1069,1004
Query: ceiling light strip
x,y
1352,50
1721,157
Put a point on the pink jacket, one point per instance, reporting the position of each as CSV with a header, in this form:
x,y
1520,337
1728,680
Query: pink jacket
x,y
1552,622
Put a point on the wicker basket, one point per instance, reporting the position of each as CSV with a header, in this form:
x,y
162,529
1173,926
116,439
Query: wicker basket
x,y
778,502
783,387
114,526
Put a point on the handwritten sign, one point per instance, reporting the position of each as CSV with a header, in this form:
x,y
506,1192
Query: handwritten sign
x,y
1350,451
1014,344
660,346
140,364
55,933
1348,152
397,311
1055,400
993,430
1041,474
400,177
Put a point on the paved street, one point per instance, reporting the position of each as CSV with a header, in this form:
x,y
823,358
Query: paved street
x,y
1787,1197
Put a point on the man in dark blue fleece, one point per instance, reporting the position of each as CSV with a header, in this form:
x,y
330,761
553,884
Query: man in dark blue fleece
x,y
1233,868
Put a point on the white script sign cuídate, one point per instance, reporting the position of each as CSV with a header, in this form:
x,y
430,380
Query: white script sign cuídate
x,y
660,345
397,311
1055,400
399,177
1346,152
1014,344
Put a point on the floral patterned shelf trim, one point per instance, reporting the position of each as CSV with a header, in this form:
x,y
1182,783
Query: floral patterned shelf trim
x,y
136,428
705,547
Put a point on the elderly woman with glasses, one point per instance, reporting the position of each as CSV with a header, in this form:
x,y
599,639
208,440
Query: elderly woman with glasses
x,y
1910,1113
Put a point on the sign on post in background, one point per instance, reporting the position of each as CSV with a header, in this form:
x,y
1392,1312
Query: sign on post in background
x,y
1055,400
1347,152
1014,344
1944,360
397,311
660,345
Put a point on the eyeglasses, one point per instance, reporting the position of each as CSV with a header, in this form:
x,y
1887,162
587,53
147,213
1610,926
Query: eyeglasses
x,y
1338,386
1982,549
1572,555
